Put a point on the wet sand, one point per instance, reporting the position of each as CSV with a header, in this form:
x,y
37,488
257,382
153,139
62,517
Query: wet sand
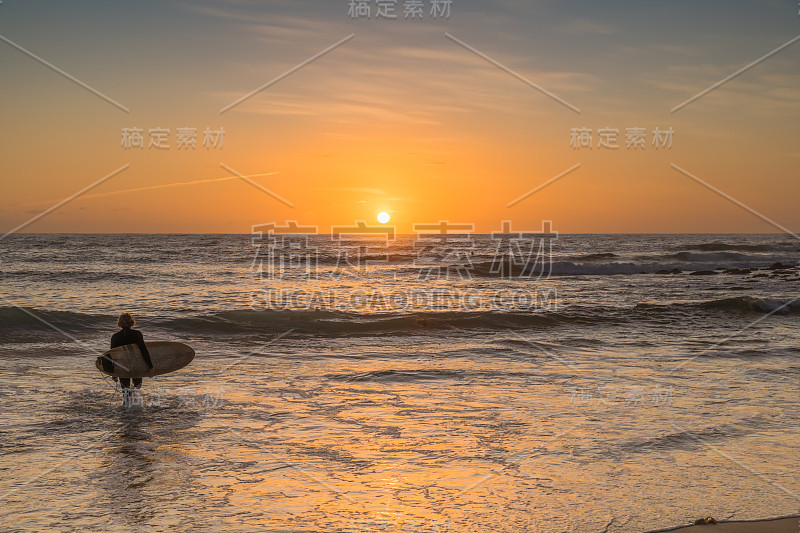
x,y
786,524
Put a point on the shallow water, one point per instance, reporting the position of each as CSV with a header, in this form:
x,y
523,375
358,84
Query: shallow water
x,y
639,401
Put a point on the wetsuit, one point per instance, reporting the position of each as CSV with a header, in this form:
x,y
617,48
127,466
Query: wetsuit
x,y
131,336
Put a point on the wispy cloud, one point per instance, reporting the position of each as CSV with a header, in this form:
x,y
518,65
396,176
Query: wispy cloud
x,y
408,85
773,87
586,27
383,195
146,188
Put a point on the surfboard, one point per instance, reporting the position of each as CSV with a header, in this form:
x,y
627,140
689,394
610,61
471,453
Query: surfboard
x,y
127,361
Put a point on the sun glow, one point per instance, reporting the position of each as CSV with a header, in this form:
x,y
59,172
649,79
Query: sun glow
x,y
383,217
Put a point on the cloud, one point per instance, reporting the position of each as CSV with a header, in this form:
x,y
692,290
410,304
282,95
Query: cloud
x,y
138,189
365,84
586,27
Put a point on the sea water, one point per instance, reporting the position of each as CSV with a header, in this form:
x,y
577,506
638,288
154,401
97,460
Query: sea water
x,y
627,382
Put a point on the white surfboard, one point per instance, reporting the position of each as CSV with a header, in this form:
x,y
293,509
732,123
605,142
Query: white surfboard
x,y
127,361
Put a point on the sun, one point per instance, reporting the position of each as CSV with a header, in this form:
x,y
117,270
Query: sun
x,y
383,217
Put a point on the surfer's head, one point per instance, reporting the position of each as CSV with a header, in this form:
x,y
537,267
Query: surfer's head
x,y
126,320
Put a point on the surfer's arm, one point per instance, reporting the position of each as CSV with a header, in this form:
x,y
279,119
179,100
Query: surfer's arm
x,y
143,349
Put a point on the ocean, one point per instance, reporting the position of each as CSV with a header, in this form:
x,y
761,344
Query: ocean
x,y
593,383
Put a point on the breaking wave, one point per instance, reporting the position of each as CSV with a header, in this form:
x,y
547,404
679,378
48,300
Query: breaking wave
x,y
29,325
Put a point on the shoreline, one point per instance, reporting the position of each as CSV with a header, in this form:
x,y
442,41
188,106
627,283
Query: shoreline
x,y
779,524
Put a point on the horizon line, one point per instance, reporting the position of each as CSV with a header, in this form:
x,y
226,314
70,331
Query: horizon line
x,y
397,234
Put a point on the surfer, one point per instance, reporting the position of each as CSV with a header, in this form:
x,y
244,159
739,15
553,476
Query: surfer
x,y
124,336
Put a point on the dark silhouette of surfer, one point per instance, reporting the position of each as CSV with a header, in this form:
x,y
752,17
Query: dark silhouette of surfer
x,y
125,336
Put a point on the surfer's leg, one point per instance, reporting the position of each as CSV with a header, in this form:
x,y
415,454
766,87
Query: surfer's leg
x,y
126,392
125,383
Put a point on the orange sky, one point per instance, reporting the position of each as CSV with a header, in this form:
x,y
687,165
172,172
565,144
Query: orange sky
x,y
401,118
